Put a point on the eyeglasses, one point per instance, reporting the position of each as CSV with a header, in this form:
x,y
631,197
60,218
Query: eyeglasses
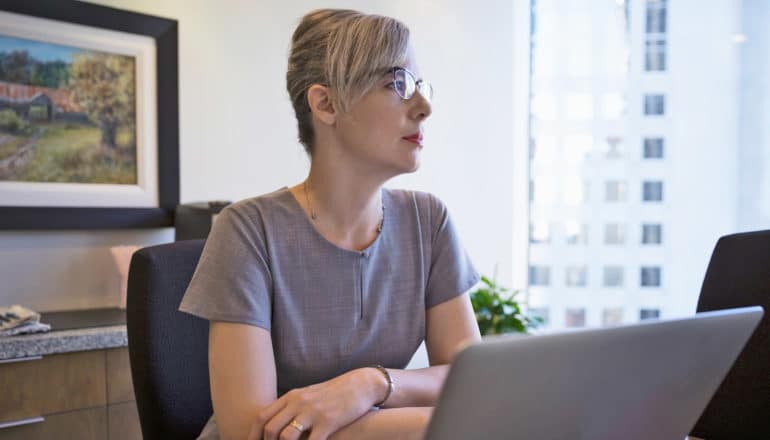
x,y
405,84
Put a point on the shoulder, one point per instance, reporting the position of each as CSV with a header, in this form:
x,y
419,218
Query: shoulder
x,y
254,213
421,200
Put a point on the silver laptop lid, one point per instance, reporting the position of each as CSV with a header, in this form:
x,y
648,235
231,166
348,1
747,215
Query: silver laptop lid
x,y
644,381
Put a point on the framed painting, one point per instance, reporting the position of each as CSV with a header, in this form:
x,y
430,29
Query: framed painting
x,y
89,117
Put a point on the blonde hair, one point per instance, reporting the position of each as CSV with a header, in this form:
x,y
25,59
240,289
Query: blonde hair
x,y
346,50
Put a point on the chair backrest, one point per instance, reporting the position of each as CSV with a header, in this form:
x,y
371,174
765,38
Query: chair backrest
x,y
739,275
168,349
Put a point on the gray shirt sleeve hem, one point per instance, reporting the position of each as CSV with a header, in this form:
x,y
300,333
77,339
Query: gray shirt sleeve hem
x,y
463,288
239,319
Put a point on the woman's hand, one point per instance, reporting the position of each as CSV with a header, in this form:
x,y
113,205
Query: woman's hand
x,y
322,409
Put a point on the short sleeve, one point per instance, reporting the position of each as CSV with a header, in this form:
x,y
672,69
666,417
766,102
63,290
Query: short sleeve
x,y
232,281
451,270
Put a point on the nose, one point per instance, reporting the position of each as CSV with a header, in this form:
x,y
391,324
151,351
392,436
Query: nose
x,y
421,106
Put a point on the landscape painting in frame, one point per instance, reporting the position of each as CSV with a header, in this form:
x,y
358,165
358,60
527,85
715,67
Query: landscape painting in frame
x,y
67,114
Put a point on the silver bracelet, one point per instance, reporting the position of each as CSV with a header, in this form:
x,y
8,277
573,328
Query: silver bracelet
x,y
391,385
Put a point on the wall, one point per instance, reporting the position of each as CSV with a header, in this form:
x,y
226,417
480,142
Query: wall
x,y
238,133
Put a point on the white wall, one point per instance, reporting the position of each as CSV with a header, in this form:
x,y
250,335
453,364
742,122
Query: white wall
x,y
238,132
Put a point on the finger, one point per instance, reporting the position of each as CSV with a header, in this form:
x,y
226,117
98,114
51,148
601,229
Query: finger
x,y
283,419
293,431
264,415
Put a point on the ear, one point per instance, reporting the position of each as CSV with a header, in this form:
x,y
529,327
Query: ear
x,y
319,98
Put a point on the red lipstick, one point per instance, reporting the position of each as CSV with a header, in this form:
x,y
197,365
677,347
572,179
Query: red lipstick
x,y
414,138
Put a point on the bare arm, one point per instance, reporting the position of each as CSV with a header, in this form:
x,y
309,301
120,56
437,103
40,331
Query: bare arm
x,y
450,326
236,353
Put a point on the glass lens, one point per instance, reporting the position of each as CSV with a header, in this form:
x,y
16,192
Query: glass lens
x,y
404,83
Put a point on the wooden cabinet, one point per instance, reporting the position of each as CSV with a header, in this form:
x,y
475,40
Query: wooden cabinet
x,y
81,395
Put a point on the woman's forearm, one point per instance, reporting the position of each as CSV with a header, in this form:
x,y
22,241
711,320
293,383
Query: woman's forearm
x,y
419,387
388,424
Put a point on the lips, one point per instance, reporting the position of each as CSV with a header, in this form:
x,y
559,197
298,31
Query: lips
x,y
414,138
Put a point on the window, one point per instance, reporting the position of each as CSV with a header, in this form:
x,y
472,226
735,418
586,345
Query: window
x,y
539,275
616,80
612,316
654,105
539,232
613,276
576,233
614,233
652,191
650,276
656,16
575,317
653,148
652,233
613,147
576,276
655,56
649,314
615,191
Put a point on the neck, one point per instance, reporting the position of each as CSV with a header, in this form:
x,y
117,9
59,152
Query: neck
x,y
347,206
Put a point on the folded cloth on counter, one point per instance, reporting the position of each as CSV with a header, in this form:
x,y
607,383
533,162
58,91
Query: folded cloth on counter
x,y
16,320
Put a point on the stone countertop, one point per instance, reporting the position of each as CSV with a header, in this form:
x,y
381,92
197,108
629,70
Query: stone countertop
x,y
63,341
71,330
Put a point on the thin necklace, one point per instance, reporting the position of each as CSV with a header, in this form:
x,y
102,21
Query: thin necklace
x,y
314,216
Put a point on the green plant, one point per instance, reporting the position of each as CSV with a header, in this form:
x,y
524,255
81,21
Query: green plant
x,y
498,311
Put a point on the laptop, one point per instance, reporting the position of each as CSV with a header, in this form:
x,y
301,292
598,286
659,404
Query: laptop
x,y
644,381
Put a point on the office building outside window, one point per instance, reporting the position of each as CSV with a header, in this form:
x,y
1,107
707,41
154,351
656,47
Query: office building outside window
x,y
622,135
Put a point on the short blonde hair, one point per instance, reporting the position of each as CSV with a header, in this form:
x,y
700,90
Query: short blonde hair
x,y
346,50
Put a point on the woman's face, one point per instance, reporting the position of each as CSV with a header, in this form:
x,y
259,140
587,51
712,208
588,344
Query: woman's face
x,y
383,130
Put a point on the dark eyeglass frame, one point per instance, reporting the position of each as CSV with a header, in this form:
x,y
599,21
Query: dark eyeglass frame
x,y
425,88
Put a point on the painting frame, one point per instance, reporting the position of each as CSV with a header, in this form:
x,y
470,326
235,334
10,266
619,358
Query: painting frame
x,y
164,33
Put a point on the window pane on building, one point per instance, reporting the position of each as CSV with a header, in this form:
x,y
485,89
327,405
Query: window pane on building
x,y
652,233
576,276
614,233
615,191
653,148
652,191
539,275
613,276
612,316
575,317
650,276
649,314
654,105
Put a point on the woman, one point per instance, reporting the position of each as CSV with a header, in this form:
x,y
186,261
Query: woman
x,y
319,294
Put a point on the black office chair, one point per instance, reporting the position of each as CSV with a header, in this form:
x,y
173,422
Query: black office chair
x,y
737,276
168,349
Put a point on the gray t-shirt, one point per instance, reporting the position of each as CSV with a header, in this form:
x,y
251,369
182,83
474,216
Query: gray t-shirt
x,y
329,310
